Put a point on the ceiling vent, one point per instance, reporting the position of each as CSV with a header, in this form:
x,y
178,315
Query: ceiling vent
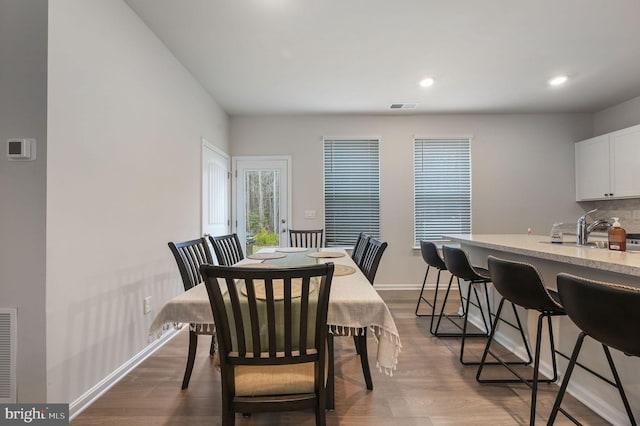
x,y
403,106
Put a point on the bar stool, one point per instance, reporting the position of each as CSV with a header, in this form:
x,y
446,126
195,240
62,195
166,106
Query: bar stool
x,y
457,263
609,314
433,260
520,284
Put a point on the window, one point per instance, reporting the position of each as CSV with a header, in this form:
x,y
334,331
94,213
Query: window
x,y
442,188
351,190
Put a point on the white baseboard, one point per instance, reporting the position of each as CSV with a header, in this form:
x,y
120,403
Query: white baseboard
x,y
80,404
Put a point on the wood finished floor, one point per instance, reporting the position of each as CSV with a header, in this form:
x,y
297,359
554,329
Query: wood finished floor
x,y
430,387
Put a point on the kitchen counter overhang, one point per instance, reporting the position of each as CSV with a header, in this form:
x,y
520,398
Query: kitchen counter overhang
x,y
539,246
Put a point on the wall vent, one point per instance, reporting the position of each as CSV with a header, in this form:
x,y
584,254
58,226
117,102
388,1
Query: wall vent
x,y
8,326
403,106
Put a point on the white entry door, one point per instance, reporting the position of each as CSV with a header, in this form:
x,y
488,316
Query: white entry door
x,y
215,190
261,202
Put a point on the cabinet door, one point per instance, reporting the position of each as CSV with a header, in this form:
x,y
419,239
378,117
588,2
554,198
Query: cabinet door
x,y
592,169
624,152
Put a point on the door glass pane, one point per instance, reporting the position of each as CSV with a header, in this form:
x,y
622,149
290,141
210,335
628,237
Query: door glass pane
x,y
262,209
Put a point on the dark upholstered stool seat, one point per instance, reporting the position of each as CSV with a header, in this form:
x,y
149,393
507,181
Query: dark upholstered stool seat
x,y
432,258
457,263
609,314
521,284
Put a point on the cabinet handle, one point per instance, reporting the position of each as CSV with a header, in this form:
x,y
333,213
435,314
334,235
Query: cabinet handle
x,y
606,195
611,194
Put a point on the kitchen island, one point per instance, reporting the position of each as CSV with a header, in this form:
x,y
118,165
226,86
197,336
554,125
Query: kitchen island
x,y
590,262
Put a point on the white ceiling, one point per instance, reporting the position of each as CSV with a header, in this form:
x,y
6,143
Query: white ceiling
x,y
336,56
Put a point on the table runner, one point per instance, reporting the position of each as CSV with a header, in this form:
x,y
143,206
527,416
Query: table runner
x,y
354,305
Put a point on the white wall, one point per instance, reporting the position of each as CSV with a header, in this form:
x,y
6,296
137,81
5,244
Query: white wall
x,y
125,120
625,114
23,114
523,174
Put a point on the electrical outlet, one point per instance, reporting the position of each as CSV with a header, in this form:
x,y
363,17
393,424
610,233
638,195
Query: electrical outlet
x,y
146,305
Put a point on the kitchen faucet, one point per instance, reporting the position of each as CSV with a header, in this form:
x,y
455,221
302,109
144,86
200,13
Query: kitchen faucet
x,y
583,230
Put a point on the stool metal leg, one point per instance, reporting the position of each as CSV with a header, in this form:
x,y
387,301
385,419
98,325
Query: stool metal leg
x,y
532,383
487,350
435,302
536,373
616,378
466,321
441,315
563,388
421,298
487,325
565,382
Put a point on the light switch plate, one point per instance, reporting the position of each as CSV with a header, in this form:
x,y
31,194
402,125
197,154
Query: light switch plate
x,y
146,305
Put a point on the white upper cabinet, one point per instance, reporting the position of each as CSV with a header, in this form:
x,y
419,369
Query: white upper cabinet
x,y
608,166
592,168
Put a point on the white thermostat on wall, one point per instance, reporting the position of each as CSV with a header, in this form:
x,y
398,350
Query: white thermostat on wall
x,y
21,149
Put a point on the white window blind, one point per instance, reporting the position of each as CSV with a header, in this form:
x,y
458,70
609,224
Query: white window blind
x,y
351,190
442,188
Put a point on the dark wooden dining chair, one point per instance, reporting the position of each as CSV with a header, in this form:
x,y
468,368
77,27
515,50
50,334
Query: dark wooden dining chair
x,y
369,266
272,337
359,246
190,255
371,258
227,249
309,238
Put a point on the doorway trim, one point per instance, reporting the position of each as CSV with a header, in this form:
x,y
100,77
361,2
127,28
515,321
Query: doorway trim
x,y
234,183
205,144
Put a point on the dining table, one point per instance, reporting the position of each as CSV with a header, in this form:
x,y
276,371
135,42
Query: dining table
x,y
354,304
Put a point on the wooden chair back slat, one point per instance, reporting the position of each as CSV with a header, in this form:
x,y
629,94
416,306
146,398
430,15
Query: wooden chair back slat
x,y
371,258
304,312
253,314
238,318
271,320
189,255
359,247
227,249
309,238
288,320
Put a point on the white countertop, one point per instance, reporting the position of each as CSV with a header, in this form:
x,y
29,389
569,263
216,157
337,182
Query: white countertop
x,y
627,262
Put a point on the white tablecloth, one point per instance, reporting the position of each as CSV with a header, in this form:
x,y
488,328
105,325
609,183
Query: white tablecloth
x,y
353,306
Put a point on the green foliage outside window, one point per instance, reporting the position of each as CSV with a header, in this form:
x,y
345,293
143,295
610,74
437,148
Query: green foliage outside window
x,y
266,239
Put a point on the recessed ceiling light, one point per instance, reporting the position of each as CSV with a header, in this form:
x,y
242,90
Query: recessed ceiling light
x,y
558,80
427,82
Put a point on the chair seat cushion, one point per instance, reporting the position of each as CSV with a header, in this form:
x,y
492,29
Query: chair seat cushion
x,y
252,380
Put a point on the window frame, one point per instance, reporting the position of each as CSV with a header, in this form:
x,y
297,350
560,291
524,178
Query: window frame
x,y
333,139
416,139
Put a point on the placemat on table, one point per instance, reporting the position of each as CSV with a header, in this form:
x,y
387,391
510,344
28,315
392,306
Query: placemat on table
x,y
264,256
341,270
278,289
